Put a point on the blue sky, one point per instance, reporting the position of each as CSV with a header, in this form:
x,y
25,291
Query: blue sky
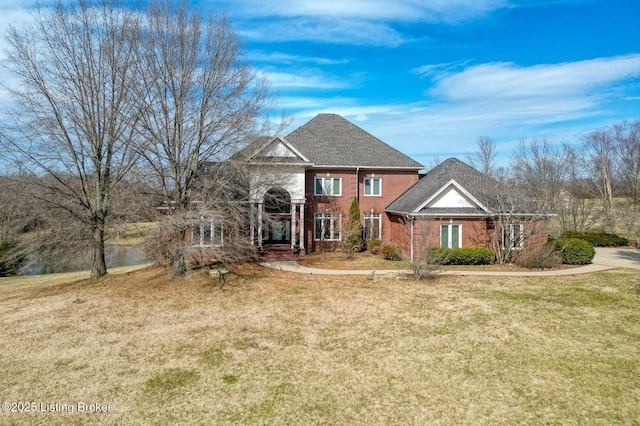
x,y
429,77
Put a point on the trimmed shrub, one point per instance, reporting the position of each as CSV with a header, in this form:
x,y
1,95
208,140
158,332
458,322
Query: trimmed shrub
x,y
574,251
462,256
373,246
598,239
391,252
538,257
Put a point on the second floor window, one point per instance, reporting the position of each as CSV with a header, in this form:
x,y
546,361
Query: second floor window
x,y
328,186
372,186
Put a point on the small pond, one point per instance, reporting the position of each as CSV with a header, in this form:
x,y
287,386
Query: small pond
x,y
116,257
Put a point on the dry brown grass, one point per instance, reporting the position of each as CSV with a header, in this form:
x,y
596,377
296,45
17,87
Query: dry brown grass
x,y
367,261
280,348
359,261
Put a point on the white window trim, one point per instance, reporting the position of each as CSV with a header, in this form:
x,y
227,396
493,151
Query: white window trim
x,y
371,186
323,179
369,219
449,231
331,217
511,227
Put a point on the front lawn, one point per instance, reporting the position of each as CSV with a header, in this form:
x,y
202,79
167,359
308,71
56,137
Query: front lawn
x,y
283,348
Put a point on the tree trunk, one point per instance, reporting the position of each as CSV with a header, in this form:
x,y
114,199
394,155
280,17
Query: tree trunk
x,y
179,265
98,262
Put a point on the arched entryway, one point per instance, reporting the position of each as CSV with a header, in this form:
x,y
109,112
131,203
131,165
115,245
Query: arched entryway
x,y
279,219
276,229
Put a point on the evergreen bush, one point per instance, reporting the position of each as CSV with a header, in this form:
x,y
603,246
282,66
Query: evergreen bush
x,y
574,251
598,239
462,255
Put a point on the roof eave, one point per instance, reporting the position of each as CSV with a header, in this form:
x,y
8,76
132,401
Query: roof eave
x,y
328,166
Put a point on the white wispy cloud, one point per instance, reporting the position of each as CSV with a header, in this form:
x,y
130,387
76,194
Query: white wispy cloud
x,y
447,11
508,81
502,100
287,59
302,80
326,30
358,22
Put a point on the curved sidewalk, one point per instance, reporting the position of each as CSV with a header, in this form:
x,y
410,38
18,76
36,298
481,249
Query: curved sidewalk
x,y
296,267
606,258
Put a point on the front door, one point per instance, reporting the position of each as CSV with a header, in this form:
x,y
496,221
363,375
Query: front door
x,y
278,231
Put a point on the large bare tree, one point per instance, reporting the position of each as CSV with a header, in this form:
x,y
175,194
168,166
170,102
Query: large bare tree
x,y
541,170
484,157
204,102
626,137
598,159
76,109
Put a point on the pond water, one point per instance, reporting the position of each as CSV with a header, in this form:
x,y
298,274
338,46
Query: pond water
x,y
116,257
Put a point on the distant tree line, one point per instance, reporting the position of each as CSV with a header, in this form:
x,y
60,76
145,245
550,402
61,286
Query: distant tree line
x,y
593,184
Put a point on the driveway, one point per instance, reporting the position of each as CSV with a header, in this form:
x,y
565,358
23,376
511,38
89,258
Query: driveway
x,y
618,257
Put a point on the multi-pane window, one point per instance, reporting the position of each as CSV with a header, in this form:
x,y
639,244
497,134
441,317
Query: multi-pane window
x,y
207,232
451,235
327,227
513,236
328,186
373,226
372,186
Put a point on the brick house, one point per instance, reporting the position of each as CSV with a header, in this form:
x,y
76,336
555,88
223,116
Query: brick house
x,y
302,185
305,182
454,205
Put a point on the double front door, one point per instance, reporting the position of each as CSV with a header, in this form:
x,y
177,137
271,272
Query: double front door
x,y
277,231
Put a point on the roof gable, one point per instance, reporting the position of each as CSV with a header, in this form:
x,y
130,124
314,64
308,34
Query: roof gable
x,y
279,147
432,192
451,196
330,140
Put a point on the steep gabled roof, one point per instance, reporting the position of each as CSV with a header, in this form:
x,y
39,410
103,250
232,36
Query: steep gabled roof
x,y
271,150
451,172
330,140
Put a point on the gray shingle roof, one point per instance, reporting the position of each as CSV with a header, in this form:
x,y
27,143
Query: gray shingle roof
x,y
477,184
330,140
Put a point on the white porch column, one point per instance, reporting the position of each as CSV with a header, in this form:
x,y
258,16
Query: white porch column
x,y
302,226
260,206
252,225
293,224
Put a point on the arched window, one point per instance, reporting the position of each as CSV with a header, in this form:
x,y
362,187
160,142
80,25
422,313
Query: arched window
x,y
277,201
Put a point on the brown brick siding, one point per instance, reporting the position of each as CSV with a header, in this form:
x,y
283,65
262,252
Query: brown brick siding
x,y
394,183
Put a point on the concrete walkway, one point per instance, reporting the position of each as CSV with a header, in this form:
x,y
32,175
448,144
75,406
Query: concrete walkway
x,y
605,259
618,257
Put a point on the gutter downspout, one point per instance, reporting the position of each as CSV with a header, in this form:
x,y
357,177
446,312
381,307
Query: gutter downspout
x,y
358,184
411,233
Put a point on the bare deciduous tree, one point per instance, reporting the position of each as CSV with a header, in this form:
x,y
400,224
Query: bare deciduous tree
x,y
203,103
598,158
484,157
76,109
540,169
627,140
